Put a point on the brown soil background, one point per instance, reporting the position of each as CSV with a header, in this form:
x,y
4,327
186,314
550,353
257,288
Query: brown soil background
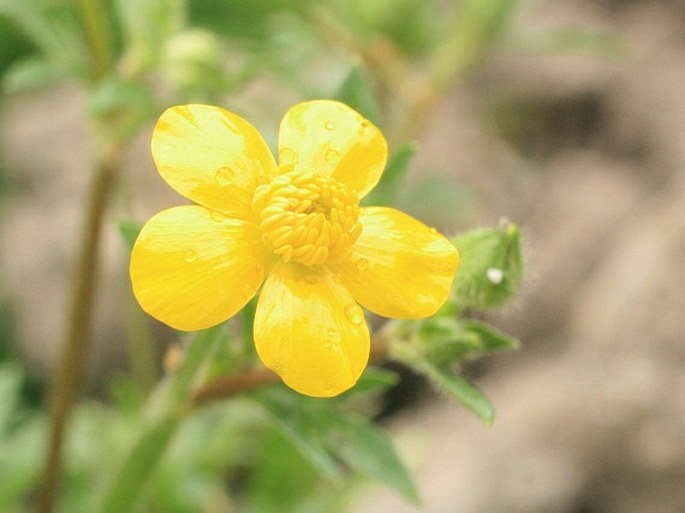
x,y
585,150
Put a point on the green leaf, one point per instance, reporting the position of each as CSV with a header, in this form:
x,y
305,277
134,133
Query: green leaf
x,y
137,469
129,231
388,188
368,450
491,267
374,379
304,427
460,389
447,339
11,378
357,92
281,479
489,338
433,198
30,73
243,19
132,103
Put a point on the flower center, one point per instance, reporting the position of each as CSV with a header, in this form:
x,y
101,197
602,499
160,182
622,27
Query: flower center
x,y
307,218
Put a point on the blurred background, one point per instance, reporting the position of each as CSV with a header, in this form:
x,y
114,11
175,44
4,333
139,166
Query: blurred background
x,y
564,116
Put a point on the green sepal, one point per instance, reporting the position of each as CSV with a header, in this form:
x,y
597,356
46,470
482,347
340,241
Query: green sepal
x,y
491,267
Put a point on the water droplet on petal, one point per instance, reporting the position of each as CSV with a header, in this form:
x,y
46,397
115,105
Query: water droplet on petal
x,y
354,313
310,278
362,264
259,269
331,333
287,155
328,388
190,255
329,125
433,230
224,176
337,278
332,156
364,127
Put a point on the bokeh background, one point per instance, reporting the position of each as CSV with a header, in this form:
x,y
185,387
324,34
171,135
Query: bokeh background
x,y
571,124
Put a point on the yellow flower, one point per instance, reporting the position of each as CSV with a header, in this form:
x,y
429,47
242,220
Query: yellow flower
x,y
294,229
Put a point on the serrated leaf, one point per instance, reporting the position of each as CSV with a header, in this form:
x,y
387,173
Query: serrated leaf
x,y
459,388
357,92
368,450
388,188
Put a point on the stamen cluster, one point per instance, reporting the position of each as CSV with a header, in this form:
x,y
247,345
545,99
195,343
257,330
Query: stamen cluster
x,y
308,218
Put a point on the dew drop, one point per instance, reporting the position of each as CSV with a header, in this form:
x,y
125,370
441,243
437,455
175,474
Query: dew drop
x,y
287,155
494,275
331,333
337,278
190,255
332,156
310,278
362,264
328,388
259,269
433,230
224,176
364,127
354,313
329,125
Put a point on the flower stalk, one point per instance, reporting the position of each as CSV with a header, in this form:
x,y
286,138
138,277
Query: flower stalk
x,y
70,371
69,374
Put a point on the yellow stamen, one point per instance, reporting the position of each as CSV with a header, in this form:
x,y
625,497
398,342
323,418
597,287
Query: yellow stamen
x,y
307,218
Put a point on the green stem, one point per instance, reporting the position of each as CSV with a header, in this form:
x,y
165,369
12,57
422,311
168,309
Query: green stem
x,y
69,373
98,36
68,376
140,347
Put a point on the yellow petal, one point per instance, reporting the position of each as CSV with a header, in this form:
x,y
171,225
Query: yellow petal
x,y
191,270
400,268
334,140
212,157
310,331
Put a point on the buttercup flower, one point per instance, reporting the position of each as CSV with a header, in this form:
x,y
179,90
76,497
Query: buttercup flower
x,y
294,229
